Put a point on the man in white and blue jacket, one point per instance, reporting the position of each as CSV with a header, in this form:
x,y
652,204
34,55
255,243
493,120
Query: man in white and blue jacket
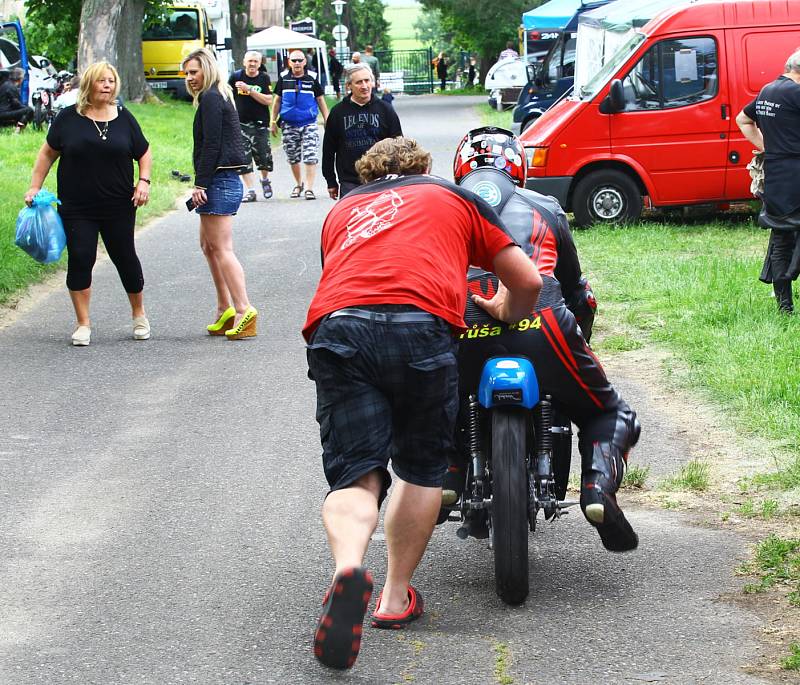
x,y
297,99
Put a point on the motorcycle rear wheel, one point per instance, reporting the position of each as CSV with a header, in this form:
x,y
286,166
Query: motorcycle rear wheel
x,y
510,504
38,116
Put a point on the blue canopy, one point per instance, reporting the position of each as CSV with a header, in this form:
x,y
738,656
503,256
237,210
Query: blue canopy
x,y
553,15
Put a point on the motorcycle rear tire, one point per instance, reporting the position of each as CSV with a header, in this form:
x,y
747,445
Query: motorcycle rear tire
x,y
510,504
38,116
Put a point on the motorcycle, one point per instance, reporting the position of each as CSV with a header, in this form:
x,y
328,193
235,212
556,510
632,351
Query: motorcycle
x,y
518,455
43,100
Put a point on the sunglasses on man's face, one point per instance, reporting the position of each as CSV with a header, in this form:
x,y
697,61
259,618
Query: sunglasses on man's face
x,y
297,61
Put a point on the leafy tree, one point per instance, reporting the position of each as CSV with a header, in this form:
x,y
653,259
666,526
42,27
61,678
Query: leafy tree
x,y
51,29
432,30
481,26
364,19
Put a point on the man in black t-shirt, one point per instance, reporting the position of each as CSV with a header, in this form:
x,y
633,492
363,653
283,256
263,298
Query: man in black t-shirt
x,y
253,97
772,124
354,125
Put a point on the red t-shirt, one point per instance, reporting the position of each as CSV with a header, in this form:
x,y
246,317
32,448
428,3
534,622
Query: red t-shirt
x,y
405,240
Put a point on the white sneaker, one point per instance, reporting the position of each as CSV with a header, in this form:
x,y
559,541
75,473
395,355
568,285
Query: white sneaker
x,y
141,328
82,336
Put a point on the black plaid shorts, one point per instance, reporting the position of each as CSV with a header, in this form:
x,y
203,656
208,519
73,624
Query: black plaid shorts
x,y
385,391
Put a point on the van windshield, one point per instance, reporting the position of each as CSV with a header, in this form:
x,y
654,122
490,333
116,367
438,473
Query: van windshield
x,y
177,25
589,81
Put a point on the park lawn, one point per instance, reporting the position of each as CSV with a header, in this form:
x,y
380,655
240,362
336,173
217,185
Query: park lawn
x,y
167,126
694,289
402,35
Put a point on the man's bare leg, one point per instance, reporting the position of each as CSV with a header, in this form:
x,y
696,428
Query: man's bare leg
x,y
350,516
410,518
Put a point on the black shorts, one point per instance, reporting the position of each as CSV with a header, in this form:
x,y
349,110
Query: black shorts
x,y
385,391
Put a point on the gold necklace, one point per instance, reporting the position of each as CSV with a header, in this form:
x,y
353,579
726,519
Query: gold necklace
x,y
102,132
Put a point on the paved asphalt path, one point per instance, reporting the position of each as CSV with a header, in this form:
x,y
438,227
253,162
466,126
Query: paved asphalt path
x,y
159,503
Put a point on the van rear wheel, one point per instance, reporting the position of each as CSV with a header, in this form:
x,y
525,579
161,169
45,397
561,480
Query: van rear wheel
x,y
606,197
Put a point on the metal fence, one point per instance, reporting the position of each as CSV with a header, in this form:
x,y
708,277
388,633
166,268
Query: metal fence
x,y
407,71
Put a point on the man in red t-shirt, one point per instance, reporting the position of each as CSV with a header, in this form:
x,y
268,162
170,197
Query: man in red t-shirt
x,y
381,351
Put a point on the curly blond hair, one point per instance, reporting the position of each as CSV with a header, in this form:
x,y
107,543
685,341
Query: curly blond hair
x,y
401,156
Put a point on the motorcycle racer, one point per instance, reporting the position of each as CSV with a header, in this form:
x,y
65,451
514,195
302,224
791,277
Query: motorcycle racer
x,y
491,162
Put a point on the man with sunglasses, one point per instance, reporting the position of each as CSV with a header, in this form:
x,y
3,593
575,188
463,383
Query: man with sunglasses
x,y
298,98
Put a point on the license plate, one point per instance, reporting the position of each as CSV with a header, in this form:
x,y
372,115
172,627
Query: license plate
x,y
157,84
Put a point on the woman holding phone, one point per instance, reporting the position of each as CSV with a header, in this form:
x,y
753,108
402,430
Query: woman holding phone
x,y
218,156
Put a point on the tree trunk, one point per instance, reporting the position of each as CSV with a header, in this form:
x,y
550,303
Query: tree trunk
x,y
112,31
240,23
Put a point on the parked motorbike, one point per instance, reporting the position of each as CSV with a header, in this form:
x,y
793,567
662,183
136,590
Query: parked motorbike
x,y
518,454
43,100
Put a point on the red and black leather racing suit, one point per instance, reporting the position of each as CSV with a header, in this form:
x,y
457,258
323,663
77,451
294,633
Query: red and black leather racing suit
x,y
551,336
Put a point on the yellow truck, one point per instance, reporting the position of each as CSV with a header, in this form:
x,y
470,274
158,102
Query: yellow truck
x,y
186,26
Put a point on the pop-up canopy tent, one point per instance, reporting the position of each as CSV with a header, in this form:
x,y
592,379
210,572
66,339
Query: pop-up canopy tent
x,y
552,16
279,38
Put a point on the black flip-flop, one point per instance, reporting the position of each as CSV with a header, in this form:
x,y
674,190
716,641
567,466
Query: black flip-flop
x,y
397,621
337,639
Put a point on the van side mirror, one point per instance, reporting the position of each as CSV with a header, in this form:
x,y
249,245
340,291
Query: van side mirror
x,y
531,72
228,44
212,37
615,100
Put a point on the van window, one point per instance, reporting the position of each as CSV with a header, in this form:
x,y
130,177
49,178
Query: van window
x,y
561,62
673,73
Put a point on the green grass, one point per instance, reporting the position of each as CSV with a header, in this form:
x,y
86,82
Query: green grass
x,y
502,662
491,117
401,27
776,560
635,477
767,509
168,127
694,289
692,476
792,662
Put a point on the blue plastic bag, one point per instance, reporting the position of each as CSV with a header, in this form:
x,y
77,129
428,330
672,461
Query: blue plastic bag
x,y
40,231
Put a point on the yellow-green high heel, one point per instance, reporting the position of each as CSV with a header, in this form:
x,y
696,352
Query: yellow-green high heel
x,y
223,323
246,328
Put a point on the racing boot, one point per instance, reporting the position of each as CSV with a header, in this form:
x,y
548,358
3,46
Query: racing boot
x,y
602,472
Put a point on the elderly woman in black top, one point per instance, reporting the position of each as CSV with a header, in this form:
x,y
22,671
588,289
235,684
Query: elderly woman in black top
x,y
218,156
98,141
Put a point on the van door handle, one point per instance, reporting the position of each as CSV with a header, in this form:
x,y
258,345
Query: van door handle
x,y
734,157
724,111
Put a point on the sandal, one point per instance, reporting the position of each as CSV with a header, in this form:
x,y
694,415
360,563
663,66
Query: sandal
x,y
397,621
310,195
296,191
337,639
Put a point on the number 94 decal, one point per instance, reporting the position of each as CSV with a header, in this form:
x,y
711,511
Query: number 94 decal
x,y
490,330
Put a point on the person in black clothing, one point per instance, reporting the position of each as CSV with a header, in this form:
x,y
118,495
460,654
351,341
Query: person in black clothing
x,y
491,162
354,125
12,111
440,63
253,99
471,72
97,142
771,123
335,67
218,156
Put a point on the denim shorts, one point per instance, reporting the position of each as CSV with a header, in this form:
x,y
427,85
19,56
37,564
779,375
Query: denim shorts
x,y
385,391
224,194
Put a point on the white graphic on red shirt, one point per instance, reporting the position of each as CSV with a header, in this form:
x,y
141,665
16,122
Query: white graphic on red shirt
x,y
377,216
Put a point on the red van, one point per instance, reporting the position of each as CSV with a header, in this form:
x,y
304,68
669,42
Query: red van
x,y
651,119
